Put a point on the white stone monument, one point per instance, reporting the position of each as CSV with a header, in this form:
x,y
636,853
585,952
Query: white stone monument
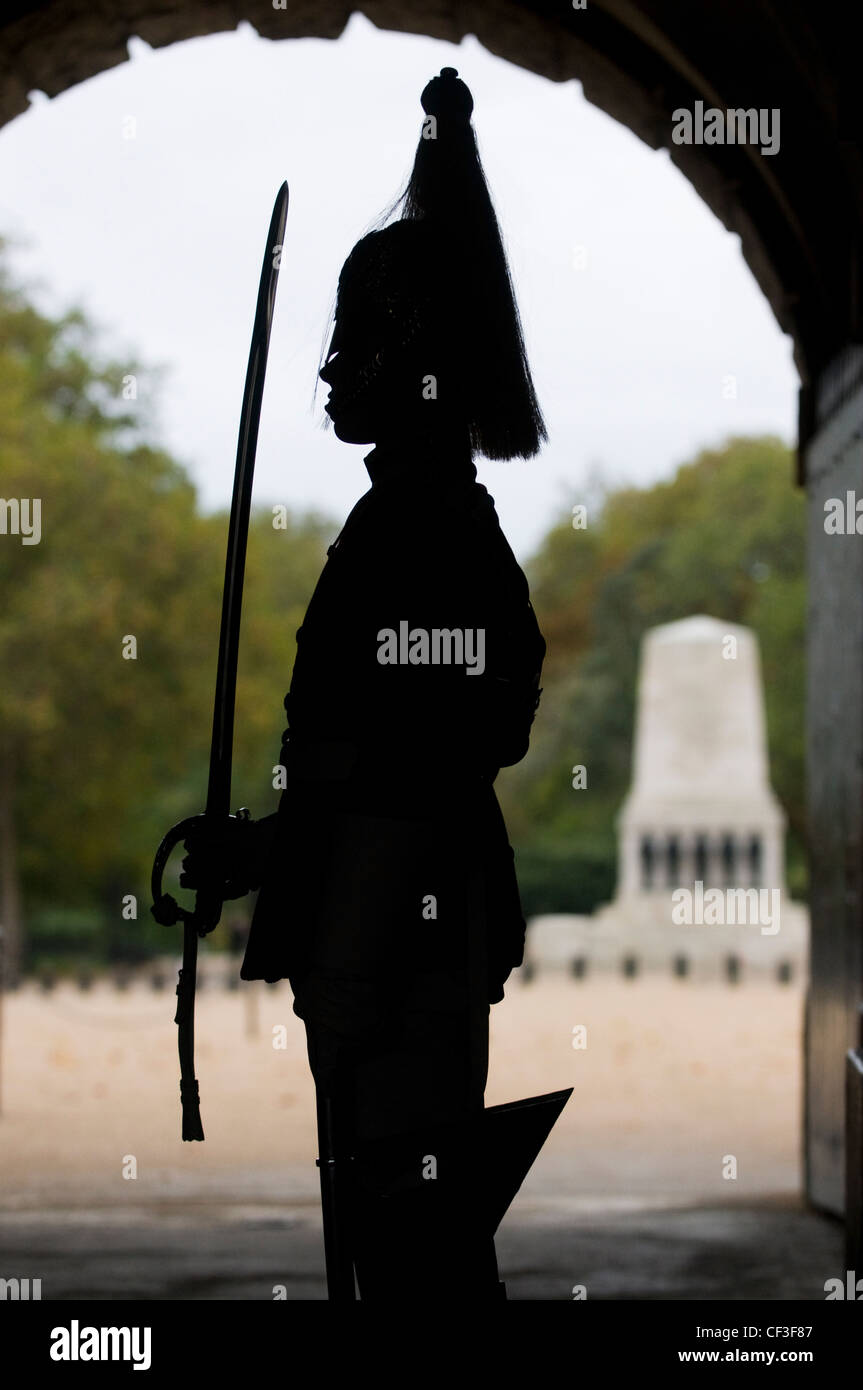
x,y
700,805
701,873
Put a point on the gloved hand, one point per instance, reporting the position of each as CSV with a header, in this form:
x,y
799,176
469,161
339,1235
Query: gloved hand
x,y
228,856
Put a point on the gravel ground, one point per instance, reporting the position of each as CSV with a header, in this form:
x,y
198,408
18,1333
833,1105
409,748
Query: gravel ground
x,y
679,1084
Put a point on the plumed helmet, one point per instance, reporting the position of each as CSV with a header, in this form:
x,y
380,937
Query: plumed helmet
x,y
435,280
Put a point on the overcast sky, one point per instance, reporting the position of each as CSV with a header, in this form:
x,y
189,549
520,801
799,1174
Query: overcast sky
x,y
637,304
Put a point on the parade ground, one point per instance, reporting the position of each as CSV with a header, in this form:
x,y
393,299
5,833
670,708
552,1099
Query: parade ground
x,y
674,1171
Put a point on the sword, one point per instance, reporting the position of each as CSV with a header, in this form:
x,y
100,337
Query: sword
x,y
208,903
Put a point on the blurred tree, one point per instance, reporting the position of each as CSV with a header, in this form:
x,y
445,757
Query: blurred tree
x,y
724,537
104,742
109,632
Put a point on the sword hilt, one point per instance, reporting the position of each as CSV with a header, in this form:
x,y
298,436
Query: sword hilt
x,y
205,915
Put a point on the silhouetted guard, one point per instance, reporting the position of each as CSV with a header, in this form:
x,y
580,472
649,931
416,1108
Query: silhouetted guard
x,y
208,907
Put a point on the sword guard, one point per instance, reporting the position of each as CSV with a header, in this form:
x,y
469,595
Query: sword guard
x,y
165,909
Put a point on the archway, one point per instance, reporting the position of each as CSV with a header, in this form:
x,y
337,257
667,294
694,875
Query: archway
x,y
799,215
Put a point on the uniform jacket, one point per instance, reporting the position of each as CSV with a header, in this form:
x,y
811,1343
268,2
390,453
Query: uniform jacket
x,y
392,749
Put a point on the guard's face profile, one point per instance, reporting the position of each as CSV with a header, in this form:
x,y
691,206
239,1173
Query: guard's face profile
x,y
376,392
354,404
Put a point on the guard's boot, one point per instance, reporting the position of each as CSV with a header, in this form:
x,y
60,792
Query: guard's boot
x,y
418,1231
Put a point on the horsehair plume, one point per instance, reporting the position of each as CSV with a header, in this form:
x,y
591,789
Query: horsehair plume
x,y
440,243
448,191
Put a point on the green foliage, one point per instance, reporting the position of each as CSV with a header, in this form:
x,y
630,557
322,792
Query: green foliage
x,y
556,877
723,537
100,755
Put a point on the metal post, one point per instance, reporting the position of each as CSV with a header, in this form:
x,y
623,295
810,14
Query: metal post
x,y
2,987
252,999
854,1150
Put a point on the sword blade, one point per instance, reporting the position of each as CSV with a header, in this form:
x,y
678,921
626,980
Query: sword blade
x,y
208,903
221,746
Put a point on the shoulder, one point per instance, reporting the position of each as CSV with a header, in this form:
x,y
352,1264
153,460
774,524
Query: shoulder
x,y
491,540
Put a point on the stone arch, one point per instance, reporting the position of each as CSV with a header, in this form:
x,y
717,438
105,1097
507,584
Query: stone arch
x,y
799,216
637,62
